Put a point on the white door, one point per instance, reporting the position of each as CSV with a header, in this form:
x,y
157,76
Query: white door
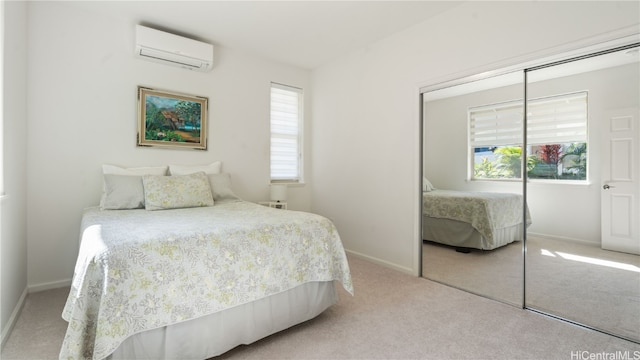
x,y
620,188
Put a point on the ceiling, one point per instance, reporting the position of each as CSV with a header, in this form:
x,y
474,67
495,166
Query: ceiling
x,y
306,34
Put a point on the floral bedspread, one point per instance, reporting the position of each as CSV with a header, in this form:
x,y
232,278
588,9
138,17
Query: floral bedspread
x,y
138,270
485,211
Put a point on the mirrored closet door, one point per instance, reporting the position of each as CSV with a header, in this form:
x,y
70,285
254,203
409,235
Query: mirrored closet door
x,y
583,252
471,176
531,186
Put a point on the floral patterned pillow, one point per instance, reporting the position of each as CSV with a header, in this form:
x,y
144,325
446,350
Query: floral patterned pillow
x,y
176,191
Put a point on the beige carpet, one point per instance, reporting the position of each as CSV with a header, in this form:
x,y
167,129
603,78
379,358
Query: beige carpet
x,y
496,274
576,281
391,316
585,284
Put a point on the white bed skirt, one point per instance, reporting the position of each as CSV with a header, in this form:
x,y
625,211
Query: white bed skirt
x,y
461,234
220,332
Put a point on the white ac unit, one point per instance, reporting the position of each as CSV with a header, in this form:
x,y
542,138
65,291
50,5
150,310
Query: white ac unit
x,y
162,47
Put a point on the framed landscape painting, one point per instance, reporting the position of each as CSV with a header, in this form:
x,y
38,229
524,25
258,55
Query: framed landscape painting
x,y
169,119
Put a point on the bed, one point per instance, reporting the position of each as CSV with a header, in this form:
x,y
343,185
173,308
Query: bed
x,y
472,220
195,282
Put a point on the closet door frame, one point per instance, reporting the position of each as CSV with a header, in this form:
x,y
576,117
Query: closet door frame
x,y
627,39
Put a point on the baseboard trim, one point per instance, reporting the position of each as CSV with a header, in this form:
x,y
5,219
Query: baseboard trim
x,y
381,262
48,286
6,332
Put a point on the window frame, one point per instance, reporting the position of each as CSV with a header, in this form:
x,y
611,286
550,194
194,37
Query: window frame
x,y
298,178
581,136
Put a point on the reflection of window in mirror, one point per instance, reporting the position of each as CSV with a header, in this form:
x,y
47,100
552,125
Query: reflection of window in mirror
x,y
556,139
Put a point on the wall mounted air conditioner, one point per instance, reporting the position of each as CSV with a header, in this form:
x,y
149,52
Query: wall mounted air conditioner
x,y
162,47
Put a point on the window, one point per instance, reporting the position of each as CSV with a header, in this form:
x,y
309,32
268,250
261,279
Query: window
x,y
556,139
286,133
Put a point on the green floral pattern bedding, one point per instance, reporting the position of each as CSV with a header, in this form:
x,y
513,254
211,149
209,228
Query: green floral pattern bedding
x,y
485,211
139,270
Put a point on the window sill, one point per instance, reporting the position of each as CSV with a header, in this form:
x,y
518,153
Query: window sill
x,y
537,181
496,180
560,182
289,184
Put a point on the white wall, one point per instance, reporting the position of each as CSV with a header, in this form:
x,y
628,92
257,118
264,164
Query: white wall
x,y
573,212
362,146
366,108
82,79
559,209
13,246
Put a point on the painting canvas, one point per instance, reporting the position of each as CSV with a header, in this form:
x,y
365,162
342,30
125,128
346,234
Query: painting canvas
x,y
168,119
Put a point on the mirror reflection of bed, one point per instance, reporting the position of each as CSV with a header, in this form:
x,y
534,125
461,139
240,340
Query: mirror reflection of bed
x,y
478,225
493,265
472,219
568,273
480,232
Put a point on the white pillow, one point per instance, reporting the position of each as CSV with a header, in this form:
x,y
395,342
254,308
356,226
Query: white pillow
x,y
426,185
213,168
149,170
122,193
221,187
179,191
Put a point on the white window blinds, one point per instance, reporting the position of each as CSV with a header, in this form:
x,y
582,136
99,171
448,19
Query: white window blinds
x,y
496,125
557,119
551,120
286,124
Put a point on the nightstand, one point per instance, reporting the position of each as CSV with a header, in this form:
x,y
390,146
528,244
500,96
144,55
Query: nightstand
x,y
275,204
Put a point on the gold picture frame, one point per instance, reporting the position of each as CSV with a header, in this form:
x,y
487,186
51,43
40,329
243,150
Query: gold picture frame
x,y
172,120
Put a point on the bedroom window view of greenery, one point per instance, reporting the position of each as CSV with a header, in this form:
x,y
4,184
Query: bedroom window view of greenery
x,y
286,133
556,139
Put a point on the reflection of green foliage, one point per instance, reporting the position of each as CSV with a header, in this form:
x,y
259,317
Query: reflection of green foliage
x,y
509,161
577,159
506,166
485,170
542,170
572,156
546,164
